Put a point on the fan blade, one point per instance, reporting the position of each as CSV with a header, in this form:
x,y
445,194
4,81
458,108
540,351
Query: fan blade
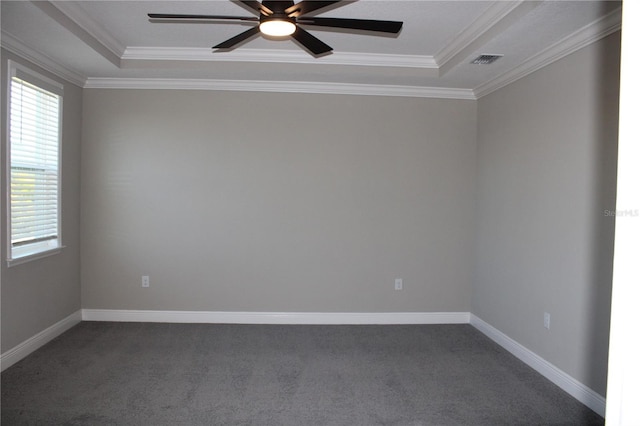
x,y
307,6
258,7
278,6
310,42
201,17
229,44
354,24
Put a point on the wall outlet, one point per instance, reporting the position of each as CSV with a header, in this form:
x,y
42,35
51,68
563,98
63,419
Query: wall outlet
x,y
145,281
398,284
547,320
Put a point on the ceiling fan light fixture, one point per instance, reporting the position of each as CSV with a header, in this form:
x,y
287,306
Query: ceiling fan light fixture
x,y
277,27
280,19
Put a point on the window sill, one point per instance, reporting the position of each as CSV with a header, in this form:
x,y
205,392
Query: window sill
x,y
35,256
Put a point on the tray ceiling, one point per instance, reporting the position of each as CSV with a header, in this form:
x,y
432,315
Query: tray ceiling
x,y
113,44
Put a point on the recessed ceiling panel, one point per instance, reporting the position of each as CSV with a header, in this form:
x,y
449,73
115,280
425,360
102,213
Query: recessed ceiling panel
x,y
433,31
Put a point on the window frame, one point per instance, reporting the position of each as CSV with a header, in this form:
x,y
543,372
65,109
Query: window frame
x,y
36,250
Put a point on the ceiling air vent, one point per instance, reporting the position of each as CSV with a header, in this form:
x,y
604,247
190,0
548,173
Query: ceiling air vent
x,y
486,59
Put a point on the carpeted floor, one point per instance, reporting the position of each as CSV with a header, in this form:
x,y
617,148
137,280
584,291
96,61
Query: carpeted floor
x,y
101,373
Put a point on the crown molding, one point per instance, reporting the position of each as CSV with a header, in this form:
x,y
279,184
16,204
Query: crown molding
x,y
76,13
497,17
583,37
13,45
95,42
280,86
134,54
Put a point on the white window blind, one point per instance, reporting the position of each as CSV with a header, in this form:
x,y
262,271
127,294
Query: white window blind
x,y
34,133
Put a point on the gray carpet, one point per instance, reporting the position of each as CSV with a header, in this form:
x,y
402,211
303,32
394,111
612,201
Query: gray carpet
x,y
101,373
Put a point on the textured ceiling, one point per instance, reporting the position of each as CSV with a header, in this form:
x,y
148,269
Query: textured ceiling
x,y
113,44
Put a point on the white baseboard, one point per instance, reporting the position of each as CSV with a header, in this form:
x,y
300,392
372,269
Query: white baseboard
x,y
20,351
564,381
355,318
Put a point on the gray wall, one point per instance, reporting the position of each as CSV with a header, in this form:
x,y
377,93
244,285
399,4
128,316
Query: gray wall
x,y
37,294
546,174
276,202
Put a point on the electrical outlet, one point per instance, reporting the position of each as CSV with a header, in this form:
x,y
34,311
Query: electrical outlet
x,y
398,284
145,281
547,320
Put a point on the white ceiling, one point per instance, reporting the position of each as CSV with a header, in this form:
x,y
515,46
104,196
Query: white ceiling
x,y
113,44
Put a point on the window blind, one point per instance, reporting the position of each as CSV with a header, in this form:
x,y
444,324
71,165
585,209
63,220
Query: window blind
x,y
34,156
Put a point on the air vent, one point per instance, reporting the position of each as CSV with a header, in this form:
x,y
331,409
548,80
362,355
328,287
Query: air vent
x,y
486,59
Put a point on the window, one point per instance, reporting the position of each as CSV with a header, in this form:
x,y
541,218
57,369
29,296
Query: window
x,y
35,110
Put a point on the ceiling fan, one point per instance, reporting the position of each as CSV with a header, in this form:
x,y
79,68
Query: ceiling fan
x,y
281,18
